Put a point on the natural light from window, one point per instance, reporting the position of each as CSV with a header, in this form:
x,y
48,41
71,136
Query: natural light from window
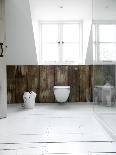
x,y
60,42
49,42
104,42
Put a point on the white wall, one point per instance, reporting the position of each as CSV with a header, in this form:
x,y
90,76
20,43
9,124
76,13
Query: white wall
x,y
36,38
89,54
3,87
104,9
1,22
19,33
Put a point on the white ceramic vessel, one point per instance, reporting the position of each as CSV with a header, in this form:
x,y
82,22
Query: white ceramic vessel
x,y
29,99
61,93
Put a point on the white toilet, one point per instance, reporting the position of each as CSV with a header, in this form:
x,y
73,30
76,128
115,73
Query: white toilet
x,y
61,93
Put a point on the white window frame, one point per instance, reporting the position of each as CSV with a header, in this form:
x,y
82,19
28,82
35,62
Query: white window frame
x,y
97,42
60,62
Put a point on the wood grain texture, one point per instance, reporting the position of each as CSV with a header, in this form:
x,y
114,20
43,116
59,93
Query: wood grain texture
x,y
46,94
20,83
33,83
41,80
73,82
98,75
91,79
103,73
84,83
61,75
11,84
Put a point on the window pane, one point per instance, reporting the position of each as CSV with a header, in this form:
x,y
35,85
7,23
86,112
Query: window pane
x,y
93,31
70,52
108,52
50,33
107,33
71,32
50,52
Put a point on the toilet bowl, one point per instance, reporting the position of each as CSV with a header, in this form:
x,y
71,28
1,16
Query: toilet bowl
x,y
61,93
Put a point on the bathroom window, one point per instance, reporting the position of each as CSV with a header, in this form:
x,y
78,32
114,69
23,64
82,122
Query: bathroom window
x,y
61,43
104,42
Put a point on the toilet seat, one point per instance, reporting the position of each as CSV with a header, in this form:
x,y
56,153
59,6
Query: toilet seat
x,y
62,87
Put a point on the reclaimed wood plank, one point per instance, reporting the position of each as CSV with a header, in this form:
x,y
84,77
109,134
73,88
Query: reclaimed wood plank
x,y
33,80
91,83
73,82
84,83
98,75
41,79
61,75
11,84
20,83
103,73
46,93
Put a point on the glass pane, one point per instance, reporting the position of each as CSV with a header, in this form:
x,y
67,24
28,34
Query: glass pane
x,y
71,52
50,52
107,52
107,33
93,32
49,33
71,32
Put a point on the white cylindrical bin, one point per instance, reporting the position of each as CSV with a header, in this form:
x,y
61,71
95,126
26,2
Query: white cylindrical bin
x,y
29,99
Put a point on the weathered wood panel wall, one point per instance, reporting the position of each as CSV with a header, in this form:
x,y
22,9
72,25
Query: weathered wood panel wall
x,y
61,75
103,73
46,94
33,79
20,83
74,83
11,84
84,83
41,79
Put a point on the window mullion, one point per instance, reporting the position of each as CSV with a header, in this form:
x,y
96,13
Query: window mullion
x,y
80,43
51,40
40,47
97,43
60,45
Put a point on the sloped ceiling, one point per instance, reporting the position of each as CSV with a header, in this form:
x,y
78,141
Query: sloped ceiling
x,y
60,9
104,9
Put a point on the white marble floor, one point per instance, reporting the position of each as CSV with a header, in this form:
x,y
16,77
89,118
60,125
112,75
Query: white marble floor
x,y
52,129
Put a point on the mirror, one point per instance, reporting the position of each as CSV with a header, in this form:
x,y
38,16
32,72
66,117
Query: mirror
x,y
104,31
104,57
